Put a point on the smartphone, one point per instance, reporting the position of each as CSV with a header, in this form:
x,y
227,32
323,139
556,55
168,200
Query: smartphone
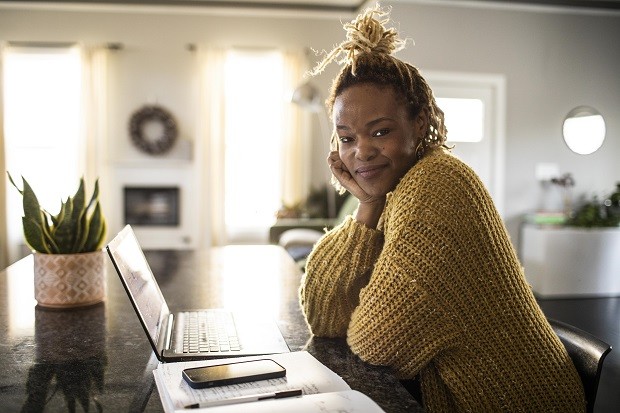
x,y
232,373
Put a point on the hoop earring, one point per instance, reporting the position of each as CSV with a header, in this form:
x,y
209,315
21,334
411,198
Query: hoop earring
x,y
419,150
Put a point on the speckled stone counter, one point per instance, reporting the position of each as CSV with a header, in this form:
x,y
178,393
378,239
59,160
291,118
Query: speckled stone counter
x,y
98,358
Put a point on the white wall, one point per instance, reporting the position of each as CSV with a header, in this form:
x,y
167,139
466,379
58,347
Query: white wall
x,y
552,61
155,66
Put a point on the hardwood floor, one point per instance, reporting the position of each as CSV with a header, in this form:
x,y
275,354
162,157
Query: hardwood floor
x,y
600,317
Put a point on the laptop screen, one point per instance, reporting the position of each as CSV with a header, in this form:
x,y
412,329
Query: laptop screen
x,y
139,282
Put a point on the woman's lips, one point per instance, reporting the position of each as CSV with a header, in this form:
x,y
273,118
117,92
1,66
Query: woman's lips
x,y
370,171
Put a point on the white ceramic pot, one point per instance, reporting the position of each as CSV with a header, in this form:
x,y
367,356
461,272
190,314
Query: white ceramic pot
x,y
69,280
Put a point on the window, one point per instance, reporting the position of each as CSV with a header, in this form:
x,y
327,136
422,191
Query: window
x,y
254,97
464,118
42,90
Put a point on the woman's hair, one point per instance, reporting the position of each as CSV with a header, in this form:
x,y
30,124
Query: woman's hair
x,y
367,58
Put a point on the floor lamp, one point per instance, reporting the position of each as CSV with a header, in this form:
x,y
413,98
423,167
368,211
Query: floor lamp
x,y
308,97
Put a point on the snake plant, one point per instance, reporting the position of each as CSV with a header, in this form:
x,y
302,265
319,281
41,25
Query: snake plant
x,y
78,227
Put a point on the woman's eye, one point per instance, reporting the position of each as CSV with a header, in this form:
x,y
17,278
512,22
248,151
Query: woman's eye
x,y
381,132
344,139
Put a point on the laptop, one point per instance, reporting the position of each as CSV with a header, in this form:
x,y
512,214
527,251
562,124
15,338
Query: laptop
x,y
227,333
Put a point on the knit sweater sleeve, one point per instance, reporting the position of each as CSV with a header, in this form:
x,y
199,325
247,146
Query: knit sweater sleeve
x,y
336,270
400,321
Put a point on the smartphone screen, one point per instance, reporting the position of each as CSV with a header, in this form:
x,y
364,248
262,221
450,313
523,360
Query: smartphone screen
x,y
232,373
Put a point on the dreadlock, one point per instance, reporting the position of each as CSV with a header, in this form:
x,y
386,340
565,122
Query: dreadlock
x,y
366,56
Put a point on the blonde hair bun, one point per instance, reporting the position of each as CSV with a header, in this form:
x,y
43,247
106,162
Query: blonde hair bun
x,y
365,34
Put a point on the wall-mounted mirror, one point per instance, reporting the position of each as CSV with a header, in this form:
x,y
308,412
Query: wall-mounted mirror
x,y
584,130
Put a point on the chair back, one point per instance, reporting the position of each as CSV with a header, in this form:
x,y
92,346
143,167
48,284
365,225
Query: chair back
x,y
587,353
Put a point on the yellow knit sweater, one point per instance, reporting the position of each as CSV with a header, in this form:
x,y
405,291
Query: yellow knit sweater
x,y
438,291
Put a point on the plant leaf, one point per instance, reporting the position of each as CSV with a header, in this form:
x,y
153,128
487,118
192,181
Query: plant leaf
x,y
34,235
95,195
13,183
79,210
96,230
80,214
79,201
64,232
81,233
102,234
32,208
47,233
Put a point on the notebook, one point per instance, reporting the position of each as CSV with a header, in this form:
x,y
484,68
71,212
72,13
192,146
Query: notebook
x,y
243,334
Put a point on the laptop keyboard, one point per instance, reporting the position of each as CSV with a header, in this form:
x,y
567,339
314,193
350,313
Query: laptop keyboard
x,y
209,331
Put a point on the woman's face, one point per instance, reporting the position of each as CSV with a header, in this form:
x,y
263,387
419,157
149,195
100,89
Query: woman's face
x,y
377,138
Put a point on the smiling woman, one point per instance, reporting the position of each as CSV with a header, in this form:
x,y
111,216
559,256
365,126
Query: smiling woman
x,y
399,279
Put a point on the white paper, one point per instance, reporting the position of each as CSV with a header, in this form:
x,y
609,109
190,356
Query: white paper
x,y
348,401
303,371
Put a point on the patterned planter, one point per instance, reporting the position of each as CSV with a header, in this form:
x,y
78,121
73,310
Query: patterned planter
x,y
69,280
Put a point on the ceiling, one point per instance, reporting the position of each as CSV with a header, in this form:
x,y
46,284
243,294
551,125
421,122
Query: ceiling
x,y
574,4
345,5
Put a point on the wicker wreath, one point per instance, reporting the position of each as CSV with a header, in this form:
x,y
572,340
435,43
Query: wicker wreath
x,y
153,129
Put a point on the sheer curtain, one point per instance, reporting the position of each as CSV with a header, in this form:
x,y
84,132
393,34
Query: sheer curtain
x,y
212,132
294,151
94,119
4,259
297,148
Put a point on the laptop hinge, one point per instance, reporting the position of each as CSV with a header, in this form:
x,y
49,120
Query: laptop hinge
x,y
168,337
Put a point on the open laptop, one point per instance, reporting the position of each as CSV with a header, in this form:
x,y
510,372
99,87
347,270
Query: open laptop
x,y
168,333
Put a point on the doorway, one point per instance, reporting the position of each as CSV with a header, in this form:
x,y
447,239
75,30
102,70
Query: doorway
x,y
474,106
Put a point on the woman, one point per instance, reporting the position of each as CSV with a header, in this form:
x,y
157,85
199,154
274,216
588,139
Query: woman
x,y
424,277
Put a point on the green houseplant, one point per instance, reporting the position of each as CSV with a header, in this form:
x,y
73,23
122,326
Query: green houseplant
x,y
68,256
594,213
78,227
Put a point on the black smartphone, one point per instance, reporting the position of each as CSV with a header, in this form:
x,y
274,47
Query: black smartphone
x,y
232,373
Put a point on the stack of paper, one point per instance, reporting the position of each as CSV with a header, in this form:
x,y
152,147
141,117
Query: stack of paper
x,y
323,390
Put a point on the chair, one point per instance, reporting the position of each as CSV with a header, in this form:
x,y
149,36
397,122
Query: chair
x,y
587,353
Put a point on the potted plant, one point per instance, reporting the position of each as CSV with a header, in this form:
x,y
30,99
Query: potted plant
x,y
69,266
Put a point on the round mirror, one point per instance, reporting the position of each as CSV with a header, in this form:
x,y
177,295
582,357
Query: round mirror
x,y
584,130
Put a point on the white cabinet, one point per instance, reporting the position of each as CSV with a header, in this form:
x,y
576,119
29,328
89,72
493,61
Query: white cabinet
x,y
567,261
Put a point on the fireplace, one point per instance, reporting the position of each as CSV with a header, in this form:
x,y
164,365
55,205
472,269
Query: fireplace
x,y
152,206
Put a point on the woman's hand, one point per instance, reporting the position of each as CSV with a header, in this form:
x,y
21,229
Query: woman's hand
x,y
345,178
371,207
